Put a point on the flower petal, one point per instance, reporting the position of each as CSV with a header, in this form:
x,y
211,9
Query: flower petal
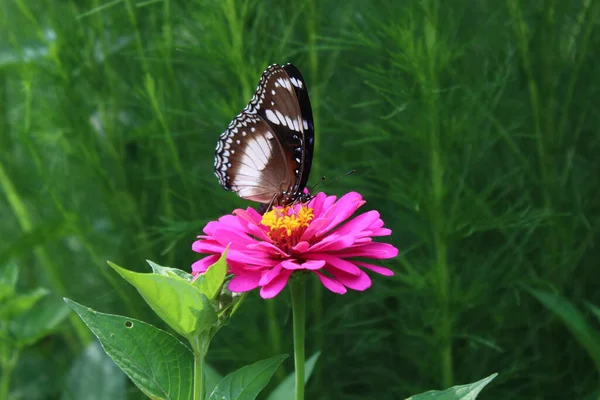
x,y
321,202
273,288
376,268
291,265
331,284
313,264
251,257
269,248
372,250
237,238
344,208
244,282
359,223
334,262
301,247
382,232
270,275
358,282
315,226
249,215
333,243
201,266
259,233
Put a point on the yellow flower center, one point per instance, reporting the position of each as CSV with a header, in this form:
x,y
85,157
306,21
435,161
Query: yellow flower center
x,y
287,224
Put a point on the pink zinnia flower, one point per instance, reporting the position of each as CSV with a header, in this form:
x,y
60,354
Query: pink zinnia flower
x,y
266,249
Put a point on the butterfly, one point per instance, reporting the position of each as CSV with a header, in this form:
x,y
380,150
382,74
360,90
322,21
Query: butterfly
x,y
266,152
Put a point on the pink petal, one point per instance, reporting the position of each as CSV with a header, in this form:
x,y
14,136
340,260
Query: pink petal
x,y
259,233
358,282
333,243
376,268
270,275
376,225
360,223
309,265
238,238
226,221
313,264
317,203
372,250
331,284
301,247
251,257
273,288
335,263
249,215
382,232
201,266
244,282
344,208
315,226
291,265
206,246
268,248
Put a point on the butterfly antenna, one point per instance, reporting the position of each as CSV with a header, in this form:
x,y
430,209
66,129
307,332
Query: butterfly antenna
x,y
313,187
332,181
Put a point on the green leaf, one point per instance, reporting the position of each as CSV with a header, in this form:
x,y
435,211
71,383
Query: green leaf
x,y
595,310
7,347
94,376
247,382
285,390
212,377
177,302
157,362
21,303
43,234
166,271
214,277
39,321
574,320
462,392
9,274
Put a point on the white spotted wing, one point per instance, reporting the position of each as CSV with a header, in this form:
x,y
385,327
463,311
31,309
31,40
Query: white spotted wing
x,y
265,154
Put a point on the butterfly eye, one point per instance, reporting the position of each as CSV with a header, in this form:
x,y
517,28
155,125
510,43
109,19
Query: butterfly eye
x,y
265,154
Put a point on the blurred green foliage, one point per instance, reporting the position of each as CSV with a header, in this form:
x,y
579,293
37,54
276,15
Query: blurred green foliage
x,y
473,126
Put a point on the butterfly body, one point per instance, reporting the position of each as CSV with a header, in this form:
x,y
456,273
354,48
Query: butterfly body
x,y
265,154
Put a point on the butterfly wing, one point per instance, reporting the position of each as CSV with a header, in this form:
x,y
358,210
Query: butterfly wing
x,y
308,126
266,152
250,160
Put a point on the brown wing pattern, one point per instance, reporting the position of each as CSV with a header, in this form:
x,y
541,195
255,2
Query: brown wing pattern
x,y
262,154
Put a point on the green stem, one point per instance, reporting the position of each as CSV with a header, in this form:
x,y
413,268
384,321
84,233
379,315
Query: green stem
x,y
25,220
299,317
275,335
200,347
5,382
7,370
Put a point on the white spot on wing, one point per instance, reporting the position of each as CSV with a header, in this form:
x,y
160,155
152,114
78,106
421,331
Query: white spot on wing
x,y
280,116
289,122
296,82
272,117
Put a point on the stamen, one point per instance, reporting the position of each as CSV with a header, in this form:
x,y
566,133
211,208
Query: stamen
x,y
287,224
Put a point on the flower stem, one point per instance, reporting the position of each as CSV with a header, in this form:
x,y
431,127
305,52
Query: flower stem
x,y
299,317
199,345
7,370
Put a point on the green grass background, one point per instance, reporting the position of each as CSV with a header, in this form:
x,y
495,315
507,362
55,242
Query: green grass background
x,y
472,124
